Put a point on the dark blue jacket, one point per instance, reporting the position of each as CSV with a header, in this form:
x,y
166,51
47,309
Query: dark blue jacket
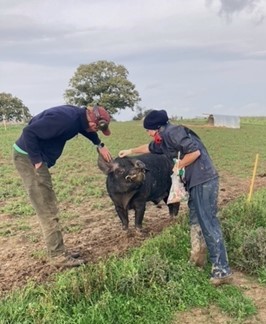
x,y
46,134
181,139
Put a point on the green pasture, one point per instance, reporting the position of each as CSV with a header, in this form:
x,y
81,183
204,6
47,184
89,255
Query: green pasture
x,y
154,283
77,178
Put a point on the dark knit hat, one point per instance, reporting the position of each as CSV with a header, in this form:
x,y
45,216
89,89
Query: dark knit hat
x,y
155,119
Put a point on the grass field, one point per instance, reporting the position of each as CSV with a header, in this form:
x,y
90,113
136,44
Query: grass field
x,y
151,283
232,150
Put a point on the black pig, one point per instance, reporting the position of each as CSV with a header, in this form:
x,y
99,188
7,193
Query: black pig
x,y
132,181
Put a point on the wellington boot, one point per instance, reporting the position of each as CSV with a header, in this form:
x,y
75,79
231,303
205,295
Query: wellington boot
x,y
198,254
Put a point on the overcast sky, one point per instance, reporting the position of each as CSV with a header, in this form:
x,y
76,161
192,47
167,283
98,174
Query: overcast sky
x,y
186,56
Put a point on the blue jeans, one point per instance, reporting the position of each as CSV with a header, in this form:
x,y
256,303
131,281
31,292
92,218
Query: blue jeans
x,y
203,212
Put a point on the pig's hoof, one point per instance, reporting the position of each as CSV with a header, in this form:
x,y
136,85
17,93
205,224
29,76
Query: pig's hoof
x,y
139,230
124,227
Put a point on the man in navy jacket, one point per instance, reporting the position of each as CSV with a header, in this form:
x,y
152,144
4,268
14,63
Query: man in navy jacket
x,y
37,149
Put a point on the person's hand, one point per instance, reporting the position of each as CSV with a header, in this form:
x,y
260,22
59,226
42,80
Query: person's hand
x,y
176,169
124,153
105,153
179,172
38,165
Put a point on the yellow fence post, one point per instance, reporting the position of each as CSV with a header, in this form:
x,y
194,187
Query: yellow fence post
x,y
253,178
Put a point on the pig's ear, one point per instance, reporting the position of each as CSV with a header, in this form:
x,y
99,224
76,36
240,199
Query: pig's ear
x,y
104,166
139,164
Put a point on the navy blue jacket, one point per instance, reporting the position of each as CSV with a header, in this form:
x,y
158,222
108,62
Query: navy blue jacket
x,y
46,134
177,138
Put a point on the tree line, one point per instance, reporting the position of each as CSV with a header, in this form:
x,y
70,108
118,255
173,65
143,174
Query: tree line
x,y
101,82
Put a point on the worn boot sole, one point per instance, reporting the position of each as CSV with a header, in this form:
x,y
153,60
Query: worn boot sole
x,y
221,281
74,255
77,263
66,262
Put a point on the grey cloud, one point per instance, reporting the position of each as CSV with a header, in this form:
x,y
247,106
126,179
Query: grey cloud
x,y
230,7
73,49
18,28
25,40
21,29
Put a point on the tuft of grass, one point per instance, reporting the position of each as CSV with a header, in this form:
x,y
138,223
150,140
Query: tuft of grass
x,y
244,230
73,228
6,232
232,301
262,275
39,255
18,208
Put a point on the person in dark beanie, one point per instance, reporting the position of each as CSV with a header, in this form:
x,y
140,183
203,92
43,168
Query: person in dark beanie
x,y
40,145
202,183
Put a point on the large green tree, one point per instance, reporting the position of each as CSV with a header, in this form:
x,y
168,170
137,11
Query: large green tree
x,y
102,82
12,108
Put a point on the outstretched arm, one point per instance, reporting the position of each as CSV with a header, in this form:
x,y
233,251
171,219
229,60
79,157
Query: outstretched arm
x,y
136,150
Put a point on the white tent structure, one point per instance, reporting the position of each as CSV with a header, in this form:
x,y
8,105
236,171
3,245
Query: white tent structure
x,y
224,121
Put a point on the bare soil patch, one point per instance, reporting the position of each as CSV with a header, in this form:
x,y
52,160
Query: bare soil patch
x,y
23,256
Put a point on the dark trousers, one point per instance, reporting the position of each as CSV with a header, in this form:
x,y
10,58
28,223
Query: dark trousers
x,y
203,212
38,184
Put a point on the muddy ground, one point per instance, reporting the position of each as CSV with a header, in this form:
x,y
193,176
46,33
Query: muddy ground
x,y
99,236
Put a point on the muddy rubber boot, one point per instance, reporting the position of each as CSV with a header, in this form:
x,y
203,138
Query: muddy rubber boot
x,y
198,254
